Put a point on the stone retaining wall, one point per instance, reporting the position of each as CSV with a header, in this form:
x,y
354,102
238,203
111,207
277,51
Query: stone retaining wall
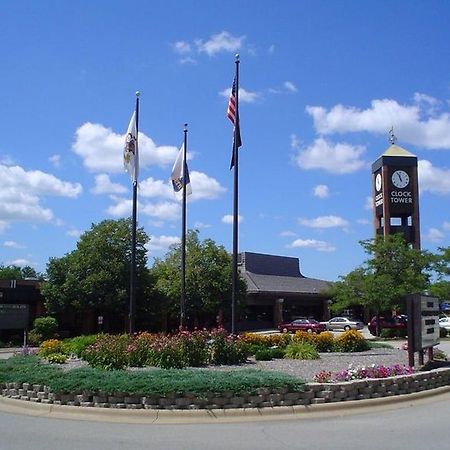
x,y
314,393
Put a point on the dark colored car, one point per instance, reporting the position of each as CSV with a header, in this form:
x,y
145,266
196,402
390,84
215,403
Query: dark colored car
x,y
309,325
392,323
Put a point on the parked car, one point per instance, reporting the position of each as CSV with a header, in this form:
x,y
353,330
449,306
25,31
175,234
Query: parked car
x,y
309,325
444,322
393,323
343,323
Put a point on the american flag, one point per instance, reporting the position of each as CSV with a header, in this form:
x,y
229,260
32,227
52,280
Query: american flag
x,y
231,112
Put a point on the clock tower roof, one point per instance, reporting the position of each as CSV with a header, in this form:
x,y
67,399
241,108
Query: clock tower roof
x,y
395,150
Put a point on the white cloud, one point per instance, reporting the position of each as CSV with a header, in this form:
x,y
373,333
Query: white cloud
x,y
73,232
37,182
221,42
182,47
416,124
228,219
446,226
368,204
103,185
19,262
161,242
433,179
340,158
201,225
321,191
162,211
187,60
101,149
244,95
434,235
290,86
324,222
55,160
320,246
363,222
21,192
12,244
288,233
121,208
204,187
295,141
271,49
152,188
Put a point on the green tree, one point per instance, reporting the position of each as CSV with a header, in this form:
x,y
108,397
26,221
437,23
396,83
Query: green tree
x,y
95,276
441,287
13,272
10,272
208,281
393,270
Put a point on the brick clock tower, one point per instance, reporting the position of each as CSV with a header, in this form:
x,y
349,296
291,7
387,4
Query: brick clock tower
x,y
396,194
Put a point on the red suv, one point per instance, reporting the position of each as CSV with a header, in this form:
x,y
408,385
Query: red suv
x,y
392,323
309,325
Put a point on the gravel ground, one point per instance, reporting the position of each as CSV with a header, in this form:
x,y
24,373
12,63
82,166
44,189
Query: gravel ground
x,y
335,362
306,369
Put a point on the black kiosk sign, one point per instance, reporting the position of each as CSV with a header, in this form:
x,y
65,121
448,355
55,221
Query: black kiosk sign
x,y
14,317
423,323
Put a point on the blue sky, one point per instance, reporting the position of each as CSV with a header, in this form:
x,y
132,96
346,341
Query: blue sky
x,y
321,84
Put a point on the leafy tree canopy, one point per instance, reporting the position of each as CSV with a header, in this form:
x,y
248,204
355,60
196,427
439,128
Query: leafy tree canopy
x,y
13,272
393,270
97,273
208,279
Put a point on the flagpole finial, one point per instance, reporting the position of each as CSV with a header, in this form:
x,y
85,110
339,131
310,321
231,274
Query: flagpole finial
x,y
185,126
138,93
237,57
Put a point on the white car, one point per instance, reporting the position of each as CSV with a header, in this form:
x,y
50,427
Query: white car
x,y
444,322
343,323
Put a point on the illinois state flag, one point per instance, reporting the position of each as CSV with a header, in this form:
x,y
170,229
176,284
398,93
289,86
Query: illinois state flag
x,y
177,176
130,151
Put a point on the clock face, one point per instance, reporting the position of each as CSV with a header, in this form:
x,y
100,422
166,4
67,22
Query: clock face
x,y
378,182
400,179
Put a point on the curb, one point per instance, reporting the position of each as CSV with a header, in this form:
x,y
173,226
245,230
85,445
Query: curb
x,y
159,417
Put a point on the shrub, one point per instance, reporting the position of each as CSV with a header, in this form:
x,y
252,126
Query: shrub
x,y
372,372
390,333
34,338
439,355
323,376
351,341
108,352
226,348
303,336
194,346
263,354
57,358
267,354
324,342
267,340
46,326
49,347
443,332
301,350
77,345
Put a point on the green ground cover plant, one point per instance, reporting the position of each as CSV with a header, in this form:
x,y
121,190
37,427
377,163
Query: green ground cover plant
x,y
149,382
301,350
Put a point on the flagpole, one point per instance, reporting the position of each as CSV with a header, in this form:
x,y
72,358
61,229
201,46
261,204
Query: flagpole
x,y
183,234
235,287
132,312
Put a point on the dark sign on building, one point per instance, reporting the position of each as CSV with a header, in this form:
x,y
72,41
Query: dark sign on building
x,y
14,317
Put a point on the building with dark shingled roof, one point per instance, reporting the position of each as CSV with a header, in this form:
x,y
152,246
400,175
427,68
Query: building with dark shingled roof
x,y
277,291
